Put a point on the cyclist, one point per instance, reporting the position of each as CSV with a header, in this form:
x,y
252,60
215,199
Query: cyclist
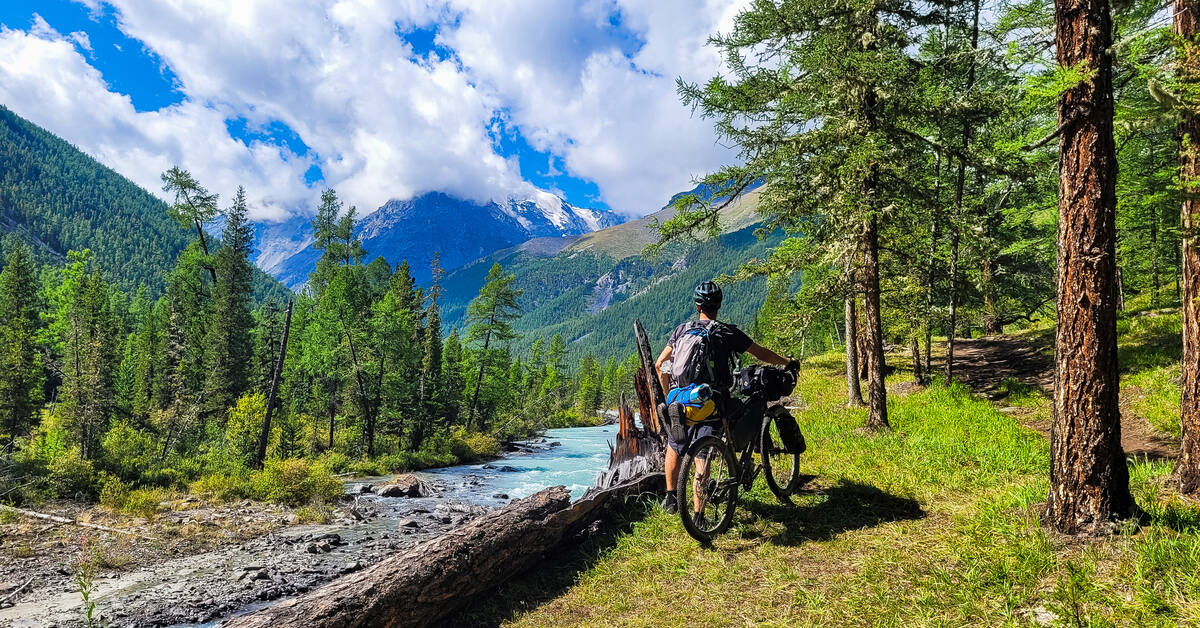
x,y
727,342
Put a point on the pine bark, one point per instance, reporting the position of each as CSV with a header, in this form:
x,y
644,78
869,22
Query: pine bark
x,y
1188,467
876,392
1089,480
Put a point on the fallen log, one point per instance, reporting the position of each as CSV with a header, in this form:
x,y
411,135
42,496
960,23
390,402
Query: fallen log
x,y
4,602
429,581
74,522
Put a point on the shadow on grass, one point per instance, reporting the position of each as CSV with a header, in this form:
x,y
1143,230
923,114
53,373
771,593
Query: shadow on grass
x,y
557,572
837,509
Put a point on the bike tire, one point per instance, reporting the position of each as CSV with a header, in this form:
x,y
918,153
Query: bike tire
x,y
721,492
781,469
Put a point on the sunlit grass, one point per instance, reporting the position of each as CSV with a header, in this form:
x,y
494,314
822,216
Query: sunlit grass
x,y
936,522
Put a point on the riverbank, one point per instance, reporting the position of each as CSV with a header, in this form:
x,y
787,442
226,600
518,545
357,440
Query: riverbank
x,y
197,560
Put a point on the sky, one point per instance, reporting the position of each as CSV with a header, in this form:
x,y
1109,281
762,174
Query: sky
x,y
380,100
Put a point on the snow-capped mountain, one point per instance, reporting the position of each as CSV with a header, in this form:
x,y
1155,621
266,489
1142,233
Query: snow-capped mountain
x,y
461,231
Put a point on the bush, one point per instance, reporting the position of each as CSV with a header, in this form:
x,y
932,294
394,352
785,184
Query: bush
x,y
472,446
114,493
70,475
335,461
295,482
222,487
128,451
143,502
244,426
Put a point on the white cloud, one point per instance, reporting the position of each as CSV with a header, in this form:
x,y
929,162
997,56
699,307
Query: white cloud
x,y
386,126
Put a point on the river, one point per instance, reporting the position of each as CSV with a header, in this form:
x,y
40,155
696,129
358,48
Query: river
x,y
200,589
581,453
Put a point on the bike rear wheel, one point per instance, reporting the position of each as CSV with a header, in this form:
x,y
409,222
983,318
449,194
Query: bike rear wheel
x,y
708,488
781,468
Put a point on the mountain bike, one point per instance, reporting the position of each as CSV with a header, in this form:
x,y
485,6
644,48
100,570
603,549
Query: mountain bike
x,y
716,466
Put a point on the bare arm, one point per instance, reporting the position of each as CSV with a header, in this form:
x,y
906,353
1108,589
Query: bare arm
x,y
663,379
766,355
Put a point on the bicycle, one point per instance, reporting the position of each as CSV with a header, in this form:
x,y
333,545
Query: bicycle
x,y
711,474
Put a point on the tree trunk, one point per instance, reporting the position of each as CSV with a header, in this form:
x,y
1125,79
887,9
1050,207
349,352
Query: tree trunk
x,y
1155,281
853,387
654,386
265,434
876,392
1188,467
952,313
915,347
860,341
483,357
204,247
1089,480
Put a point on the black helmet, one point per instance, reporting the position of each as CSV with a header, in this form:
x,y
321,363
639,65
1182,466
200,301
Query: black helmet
x,y
708,296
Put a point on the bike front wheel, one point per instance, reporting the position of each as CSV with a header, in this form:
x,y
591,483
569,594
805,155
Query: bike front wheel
x,y
781,467
708,488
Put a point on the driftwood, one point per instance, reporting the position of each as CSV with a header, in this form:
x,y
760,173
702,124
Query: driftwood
x,y
14,593
636,454
74,522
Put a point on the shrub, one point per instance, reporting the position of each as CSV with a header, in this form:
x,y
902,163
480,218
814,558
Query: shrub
x,y
472,446
335,461
143,502
222,487
70,475
369,467
127,450
244,425
114,493
295,482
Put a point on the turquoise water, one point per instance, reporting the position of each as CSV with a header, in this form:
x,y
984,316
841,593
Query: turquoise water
x,y
582,454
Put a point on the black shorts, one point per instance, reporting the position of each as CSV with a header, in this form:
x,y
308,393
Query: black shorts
x,y
694,433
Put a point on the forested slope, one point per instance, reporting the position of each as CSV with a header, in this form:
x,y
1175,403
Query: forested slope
x,y
58,199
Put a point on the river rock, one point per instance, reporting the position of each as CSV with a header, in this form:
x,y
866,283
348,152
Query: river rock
x,y
405,486
500,496
407,523
509,469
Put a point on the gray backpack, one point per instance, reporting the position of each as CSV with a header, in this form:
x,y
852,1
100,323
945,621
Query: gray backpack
x,y
693,360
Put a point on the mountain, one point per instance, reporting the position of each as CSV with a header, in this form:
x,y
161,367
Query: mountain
x,y
56,198
461,231
592,288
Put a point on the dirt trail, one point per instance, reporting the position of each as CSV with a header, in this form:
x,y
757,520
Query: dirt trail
x,y
985,363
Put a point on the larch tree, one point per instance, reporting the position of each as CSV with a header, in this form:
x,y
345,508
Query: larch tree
x,y
194,206
818,100
1186,22
489,320
1089,480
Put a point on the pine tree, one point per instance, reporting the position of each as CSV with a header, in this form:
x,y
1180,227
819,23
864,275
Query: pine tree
x,y
490,317
88,332
20,361
230,345
1089,480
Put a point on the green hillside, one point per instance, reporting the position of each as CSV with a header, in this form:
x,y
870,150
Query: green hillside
x,y
57,199
592,296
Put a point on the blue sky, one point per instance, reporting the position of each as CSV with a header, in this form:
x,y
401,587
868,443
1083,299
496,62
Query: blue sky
x,y
477,99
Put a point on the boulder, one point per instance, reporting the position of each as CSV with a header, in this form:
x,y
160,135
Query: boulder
x,y
404,486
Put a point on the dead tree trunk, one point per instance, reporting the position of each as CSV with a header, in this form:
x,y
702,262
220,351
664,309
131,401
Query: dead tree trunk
x,y
1188,467
261,453
1089,482
655,387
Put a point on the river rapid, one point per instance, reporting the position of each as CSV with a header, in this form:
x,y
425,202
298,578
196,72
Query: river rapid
x,y
202,589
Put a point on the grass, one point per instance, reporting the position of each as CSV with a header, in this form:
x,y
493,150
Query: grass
x,y
933,523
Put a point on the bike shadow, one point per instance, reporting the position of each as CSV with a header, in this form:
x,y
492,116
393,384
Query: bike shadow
x,y
824,513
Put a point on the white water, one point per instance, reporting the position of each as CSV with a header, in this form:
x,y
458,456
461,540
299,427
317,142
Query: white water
x,y
583,453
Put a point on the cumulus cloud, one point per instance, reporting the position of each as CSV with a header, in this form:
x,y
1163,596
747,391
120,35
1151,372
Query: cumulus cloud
x,y
381,123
